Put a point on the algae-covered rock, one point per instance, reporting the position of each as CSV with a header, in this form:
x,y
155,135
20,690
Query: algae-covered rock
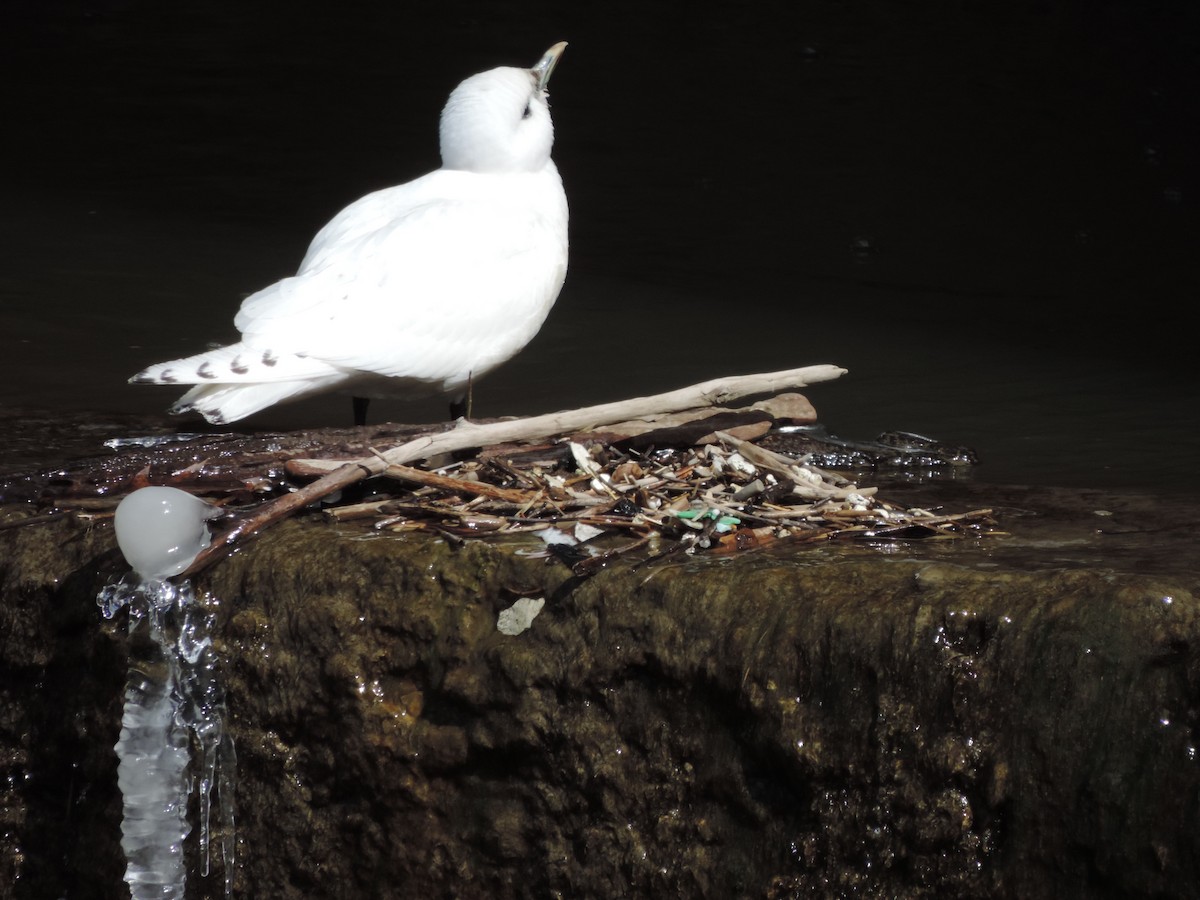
x,y
907,721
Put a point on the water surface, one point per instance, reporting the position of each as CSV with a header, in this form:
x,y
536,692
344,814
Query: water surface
x,y
987,216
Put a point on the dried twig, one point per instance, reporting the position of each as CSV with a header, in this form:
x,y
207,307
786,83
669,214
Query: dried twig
x,y
457,485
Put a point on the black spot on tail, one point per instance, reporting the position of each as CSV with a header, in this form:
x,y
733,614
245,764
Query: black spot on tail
x,y
237,367
269,358
206,371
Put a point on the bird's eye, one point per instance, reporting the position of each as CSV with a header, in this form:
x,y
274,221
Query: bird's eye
x,y
528,111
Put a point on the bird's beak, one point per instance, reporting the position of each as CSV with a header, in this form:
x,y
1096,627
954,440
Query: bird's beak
x,y
545,65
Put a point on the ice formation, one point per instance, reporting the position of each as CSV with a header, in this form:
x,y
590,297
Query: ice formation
x,y
172,695
161,530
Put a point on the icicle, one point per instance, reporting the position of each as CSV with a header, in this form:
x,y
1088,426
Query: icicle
x,y
152,756
173,689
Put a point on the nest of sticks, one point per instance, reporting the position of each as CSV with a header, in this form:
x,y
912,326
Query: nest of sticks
x,y
667,474
592,501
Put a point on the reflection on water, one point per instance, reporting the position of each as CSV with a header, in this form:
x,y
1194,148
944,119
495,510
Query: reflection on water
x,y
989,221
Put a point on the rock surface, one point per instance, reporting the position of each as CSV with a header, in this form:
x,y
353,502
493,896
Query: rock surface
x,y
1008,718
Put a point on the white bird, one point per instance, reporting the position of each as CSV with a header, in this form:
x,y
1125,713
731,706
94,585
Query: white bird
x,y
413,290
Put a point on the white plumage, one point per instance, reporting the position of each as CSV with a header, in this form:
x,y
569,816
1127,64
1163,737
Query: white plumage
x,y
413,290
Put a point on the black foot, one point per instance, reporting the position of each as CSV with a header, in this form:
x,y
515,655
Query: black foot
x,y
360,409
460,407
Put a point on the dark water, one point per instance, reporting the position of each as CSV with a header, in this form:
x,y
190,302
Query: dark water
x,y
986,212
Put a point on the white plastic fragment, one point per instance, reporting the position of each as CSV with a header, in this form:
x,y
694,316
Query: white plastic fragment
x,y
583,460
552,535
585,532
857,501
568,535
802,475
738,463
520,615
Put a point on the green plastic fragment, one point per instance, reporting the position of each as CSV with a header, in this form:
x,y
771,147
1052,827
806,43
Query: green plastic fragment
x,y
724,523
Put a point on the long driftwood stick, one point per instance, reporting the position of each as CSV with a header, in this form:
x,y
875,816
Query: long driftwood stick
x,y
466,434
709,393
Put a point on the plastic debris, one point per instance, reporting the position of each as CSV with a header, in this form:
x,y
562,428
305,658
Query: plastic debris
x,y
518,617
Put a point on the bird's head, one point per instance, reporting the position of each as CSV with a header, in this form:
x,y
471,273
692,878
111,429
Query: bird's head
x,y
499,120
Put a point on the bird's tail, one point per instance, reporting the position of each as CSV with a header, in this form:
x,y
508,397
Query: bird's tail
x,y
223,403
235,364
233,382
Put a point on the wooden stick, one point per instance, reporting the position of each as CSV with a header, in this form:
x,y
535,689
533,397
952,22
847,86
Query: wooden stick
x,y
458,485
342,474
281,508
720,390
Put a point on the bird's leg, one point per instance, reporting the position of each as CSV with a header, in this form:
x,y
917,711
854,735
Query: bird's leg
x,y
360,409
460,407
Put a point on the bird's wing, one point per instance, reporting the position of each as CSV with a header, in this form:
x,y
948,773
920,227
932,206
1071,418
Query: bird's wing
x,y
334,246
447,288
367,215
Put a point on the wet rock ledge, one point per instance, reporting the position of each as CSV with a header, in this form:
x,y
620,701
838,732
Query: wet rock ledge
x,y
907,721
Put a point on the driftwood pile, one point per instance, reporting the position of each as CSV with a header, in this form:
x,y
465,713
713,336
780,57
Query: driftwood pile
x,y
660,475
723,497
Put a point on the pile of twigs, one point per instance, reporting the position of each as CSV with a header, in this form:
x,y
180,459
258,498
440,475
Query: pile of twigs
x,y
668,468
722,497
